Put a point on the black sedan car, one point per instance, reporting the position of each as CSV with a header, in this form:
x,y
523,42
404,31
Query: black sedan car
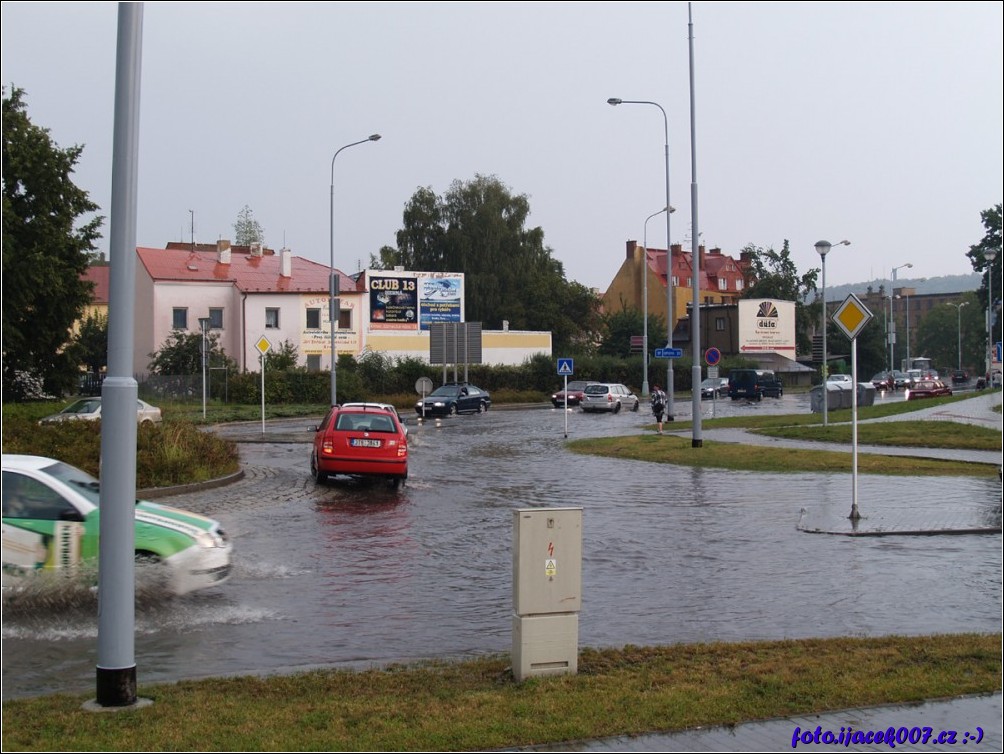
x,y
454,398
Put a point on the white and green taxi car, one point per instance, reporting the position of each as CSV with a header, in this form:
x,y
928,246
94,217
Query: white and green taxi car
x,y
51,517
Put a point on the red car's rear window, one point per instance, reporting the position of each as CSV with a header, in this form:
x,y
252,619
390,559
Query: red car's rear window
x,y
365,422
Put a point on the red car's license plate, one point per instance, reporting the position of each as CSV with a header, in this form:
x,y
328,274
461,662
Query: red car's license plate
x,y
361,443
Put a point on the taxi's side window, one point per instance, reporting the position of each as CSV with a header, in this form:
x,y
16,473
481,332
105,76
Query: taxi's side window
x,y
24,497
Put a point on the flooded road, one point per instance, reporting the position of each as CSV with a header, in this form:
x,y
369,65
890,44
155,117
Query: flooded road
x,y
352,575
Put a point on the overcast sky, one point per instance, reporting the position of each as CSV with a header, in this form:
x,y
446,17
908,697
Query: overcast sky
x,y
876,122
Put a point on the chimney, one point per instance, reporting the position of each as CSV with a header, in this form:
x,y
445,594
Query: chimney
x,y
223,251
256,249
285,263
700,255
632,247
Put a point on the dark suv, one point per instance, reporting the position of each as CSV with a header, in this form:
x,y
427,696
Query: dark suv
x,y
771,384
754,384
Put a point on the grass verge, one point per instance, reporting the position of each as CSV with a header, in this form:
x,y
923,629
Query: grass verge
x,y
915,434
743,457
476,705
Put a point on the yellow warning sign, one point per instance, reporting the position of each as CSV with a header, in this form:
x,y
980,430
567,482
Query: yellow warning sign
x,y
551,567
851,316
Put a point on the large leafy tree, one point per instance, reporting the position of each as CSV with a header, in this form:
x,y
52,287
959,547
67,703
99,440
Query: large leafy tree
x,y
46,246
247,230
181,353
90,344
479,228
991,242
773,274
947,328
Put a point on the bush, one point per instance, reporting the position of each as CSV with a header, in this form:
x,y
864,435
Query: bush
x,y
167,454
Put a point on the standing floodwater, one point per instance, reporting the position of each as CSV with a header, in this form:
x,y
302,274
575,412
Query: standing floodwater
x,y
353,574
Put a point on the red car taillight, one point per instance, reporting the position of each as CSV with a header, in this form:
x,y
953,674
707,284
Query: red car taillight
x,y
402,450
328,447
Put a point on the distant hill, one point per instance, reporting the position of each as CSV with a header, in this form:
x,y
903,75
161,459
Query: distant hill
x,y
944,284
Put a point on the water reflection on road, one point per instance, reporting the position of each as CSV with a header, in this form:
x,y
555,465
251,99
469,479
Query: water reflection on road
x,y
352,574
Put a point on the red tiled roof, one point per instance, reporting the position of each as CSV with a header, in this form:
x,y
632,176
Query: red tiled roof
x,y
250,274
99,275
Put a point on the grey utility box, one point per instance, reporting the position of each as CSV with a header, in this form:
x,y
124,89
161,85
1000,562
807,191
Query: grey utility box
x,y
547,591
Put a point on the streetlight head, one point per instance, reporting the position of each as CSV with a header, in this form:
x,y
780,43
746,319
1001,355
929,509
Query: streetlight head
x,y
823,247
375,137
844,243
908,264
672,209
614,101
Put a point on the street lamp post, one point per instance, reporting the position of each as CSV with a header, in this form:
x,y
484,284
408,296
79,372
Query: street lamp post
x,y
204,326
990,255
958,309
823,248
644,296
892,320
333,302
669,256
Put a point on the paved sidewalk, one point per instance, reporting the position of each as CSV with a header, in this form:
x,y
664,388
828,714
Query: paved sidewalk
x,y
966,716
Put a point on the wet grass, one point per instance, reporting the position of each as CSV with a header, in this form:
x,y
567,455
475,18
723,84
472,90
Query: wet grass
x,y
476,705
743,457
808,427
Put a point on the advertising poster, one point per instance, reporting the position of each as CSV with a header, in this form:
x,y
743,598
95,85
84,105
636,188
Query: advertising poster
x,y
440,299
767,326
318,341
393,303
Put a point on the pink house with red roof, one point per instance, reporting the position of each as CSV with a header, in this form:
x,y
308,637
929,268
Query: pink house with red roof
x,y
246,293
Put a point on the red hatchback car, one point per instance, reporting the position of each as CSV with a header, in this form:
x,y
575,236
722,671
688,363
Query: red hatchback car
x,y
360,441
927,389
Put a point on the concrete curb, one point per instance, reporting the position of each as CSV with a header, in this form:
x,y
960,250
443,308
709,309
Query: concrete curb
x,y
153,493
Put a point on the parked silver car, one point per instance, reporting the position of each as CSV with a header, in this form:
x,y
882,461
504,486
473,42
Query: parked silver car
x,y
608,396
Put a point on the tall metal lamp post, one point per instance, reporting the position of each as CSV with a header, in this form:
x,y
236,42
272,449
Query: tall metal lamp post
x,y
669,255
204,326
990,255
644,296
333,302
958,308
823,248
892,319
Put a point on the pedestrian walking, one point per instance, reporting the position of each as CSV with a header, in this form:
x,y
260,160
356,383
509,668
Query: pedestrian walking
x,y
658,399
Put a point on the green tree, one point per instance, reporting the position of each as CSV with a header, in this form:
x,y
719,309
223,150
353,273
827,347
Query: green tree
x,y
247,230
479,228
941,330
46,248
90,344
284,358
181,353
773,274
991,242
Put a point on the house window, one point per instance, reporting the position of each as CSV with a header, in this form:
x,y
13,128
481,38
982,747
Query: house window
x,y
676,281
345,319
215,319
179,318
719,324
271,318
739,284
313,360
723,284
314,320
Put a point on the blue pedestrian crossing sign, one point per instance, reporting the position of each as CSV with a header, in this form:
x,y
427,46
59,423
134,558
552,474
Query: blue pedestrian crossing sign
x,y
566,367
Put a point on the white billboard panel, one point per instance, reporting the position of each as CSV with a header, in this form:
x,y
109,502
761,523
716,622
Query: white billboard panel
x,y
767,326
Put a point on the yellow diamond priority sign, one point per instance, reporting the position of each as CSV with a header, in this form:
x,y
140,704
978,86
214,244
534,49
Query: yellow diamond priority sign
x,y
263,345
851,316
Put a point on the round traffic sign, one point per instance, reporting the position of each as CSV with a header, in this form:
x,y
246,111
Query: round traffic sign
x,y
712,356
423,385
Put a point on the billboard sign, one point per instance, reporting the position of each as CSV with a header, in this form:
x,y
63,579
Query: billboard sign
x,y
767,326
